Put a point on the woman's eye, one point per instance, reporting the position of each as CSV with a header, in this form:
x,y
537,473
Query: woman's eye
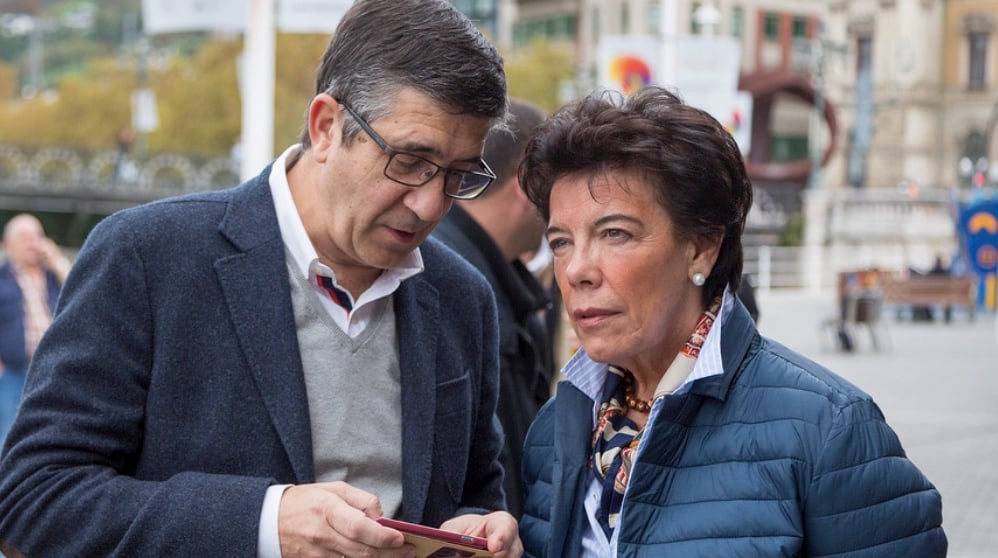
x,y
616,233
556,243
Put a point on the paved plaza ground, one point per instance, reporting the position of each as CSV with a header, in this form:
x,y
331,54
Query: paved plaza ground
x,y
937,384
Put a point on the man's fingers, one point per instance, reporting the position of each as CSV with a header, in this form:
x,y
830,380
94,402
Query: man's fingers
x,y
357,498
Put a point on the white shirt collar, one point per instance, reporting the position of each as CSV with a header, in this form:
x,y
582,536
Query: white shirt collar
x,y
304,255
589,376
293,231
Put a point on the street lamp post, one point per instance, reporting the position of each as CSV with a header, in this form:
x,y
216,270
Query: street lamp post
x,y
707,17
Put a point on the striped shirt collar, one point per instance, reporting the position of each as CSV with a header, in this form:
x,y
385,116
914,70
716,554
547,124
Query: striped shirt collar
x,y
353,317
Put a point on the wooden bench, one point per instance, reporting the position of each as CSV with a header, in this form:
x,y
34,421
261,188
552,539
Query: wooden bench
x,y
929,291
864,295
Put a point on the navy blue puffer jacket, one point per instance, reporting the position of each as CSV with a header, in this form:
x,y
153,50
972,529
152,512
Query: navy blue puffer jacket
x,y
777,457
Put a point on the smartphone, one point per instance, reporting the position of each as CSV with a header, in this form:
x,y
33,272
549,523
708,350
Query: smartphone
x,y
438,543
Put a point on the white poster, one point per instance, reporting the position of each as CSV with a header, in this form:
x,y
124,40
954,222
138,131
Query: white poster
x,y
310,16
145,117
740,125
707,74
170,16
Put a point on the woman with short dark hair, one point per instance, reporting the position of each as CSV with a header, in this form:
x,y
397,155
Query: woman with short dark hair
x,y
680,431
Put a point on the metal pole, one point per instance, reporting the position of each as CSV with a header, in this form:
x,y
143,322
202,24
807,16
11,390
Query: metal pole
x,y
670,42
258,89
818,61
36,59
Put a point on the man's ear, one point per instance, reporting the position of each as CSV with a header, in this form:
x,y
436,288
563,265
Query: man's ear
x,y
324,128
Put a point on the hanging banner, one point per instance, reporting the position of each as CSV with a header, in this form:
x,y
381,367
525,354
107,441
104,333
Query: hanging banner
x,y
979,226
707,75
145,117
740,125
705,72
979,232
171,16
293,16
626,63
310,16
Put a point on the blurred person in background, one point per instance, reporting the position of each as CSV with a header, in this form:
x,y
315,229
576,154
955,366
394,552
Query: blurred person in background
x,y
680,431
30,280
492,232
265,370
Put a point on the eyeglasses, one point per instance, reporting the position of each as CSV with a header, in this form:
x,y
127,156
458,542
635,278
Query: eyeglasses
x,y
414,171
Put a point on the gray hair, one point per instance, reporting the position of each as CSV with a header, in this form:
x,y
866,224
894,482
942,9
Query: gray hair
x,y
382,46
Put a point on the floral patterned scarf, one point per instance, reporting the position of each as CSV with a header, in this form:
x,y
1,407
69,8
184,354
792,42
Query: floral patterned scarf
x,y
616,437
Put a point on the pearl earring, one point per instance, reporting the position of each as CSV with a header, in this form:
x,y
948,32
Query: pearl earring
x,y
699,279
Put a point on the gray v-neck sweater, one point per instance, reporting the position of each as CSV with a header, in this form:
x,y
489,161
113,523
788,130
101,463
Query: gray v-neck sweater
x,y
354,397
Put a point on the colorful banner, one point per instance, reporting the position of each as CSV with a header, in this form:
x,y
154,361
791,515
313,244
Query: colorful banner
x,y
626,63
706,73
979,225
979,229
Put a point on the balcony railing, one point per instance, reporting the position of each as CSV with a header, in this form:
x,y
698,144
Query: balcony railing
x,y
67,175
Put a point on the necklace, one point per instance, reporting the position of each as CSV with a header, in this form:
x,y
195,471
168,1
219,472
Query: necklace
x,y
633,403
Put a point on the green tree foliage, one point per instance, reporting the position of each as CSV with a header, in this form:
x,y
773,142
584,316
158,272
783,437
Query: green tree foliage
x,y
298,56
194,77
8,81
84,112
198,101
536,72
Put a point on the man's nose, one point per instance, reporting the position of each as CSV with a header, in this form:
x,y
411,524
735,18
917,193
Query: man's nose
x,y
428,201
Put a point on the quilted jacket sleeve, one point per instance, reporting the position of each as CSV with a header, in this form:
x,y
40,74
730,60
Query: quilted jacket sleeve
x,y
865,497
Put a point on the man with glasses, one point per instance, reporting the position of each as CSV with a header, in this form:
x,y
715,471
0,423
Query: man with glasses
x,y
266,370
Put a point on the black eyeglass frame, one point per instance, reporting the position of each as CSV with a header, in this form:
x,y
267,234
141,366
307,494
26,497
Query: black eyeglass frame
x,y
449,173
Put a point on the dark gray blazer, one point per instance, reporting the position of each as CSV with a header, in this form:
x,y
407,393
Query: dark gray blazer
x,y
169,393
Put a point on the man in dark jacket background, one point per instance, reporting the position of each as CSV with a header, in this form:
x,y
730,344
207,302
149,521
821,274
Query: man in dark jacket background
x,y
492,232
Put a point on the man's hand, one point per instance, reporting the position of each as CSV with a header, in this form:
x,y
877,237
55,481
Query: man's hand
x,y
499,528
53,260
335,519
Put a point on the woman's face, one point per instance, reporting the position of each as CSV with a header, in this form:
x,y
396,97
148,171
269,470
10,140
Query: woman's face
x,y
623,273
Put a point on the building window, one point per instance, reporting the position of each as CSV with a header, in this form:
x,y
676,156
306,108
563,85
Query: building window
x,y
785,148
654,17
771,26
560,28
800,27
564,28
738,22
864,55
977,27
977,67
481,12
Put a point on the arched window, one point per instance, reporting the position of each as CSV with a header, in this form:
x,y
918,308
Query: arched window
x,y
978,28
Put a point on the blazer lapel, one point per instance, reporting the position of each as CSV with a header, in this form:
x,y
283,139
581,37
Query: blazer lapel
x,y
417,316
257,291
